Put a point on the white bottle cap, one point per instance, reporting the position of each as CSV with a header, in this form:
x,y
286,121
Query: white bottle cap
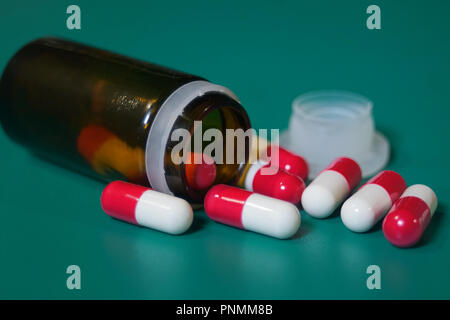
x,y
325,125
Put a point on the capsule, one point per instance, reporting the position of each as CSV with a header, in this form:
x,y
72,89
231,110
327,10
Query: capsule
x,y
146,207
370,203
252,211
287,161
201,175
405,223
327,191
281,185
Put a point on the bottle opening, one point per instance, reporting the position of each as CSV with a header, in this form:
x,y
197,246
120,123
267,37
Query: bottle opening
x,y
212,116
196,119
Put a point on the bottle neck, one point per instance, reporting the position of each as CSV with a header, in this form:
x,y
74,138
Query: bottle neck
x,y
213,106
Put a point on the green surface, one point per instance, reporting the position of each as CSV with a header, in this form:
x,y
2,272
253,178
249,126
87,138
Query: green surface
x,y
267,53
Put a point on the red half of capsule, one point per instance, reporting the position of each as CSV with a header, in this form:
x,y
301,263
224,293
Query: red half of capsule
x,y
391,181
405,223
348,168
281,185
119,200
233,199
289,161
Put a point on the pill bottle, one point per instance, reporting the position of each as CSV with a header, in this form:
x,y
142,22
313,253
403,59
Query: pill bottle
x,y
110,116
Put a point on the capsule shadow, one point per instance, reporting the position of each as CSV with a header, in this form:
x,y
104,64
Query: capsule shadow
x,y
198,223
377,227
304,230
336,213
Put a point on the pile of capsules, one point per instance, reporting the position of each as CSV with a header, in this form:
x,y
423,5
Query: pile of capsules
x,y
269,203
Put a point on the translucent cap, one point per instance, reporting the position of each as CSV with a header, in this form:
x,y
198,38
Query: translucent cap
x,y
325,125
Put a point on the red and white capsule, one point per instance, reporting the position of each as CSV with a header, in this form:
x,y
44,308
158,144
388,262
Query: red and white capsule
x,y
370,203
286,160
146,207
327,191
252,211
405,223
278,156
274,182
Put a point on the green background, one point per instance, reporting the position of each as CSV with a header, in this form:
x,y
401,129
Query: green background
x,y
267,53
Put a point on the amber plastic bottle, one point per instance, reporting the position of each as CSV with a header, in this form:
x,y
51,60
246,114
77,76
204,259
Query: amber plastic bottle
x,y
111,116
